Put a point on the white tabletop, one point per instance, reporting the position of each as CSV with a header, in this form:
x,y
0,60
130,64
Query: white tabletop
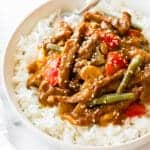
x,y
11,13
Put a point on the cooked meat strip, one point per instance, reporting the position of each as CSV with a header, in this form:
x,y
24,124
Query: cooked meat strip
x,y
137,51
74,85
85,29
81,96
106,81
122,24
79,109
34,80
62,33
53,90
88,47
80,31
33,67
138,79
135,38
97,17
137,90
145,95
119,107
44,86
67,58
46,97
106,25
112,87
83,116
91,90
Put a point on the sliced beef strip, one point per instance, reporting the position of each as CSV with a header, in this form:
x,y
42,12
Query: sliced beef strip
x,y
138,79
67,59
33,67
122,24
74,85
97,17
135,40
88,47
84,30
80,96
90,90
62,33
83,116
34,80
145,95
45,87
132,51
80,32
46,94
100,84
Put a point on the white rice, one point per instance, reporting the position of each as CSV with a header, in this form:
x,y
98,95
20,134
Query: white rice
x,y
47,119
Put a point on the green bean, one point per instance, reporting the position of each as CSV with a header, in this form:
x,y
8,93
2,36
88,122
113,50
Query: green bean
x,y
54,47
111,98
135,62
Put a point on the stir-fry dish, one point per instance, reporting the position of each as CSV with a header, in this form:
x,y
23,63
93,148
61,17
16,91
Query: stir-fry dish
x,y
96,72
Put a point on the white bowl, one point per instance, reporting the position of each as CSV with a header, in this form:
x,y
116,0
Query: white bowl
x,y
25,28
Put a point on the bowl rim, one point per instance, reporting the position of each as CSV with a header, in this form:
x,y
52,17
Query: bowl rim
x,y
28,123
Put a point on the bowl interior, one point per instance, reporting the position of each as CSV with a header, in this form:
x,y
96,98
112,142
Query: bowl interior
x,y
24,29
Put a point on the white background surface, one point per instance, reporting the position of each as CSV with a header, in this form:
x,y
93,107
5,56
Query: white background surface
x,y
11,13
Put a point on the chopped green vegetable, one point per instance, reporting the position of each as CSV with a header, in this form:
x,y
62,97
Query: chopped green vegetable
x,y
51,46
111,98
98,58
134,64
104,48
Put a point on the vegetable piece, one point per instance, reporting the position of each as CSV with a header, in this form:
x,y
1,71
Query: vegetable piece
x,y
51,75
134,64
64,108
104,48
50,72
115,62
135,110
90,72
98,58
111,40
51,46
111,98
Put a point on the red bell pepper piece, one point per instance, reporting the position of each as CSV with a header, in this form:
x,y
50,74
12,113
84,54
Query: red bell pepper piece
x,y
135,109
50,71
115,62
111,40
